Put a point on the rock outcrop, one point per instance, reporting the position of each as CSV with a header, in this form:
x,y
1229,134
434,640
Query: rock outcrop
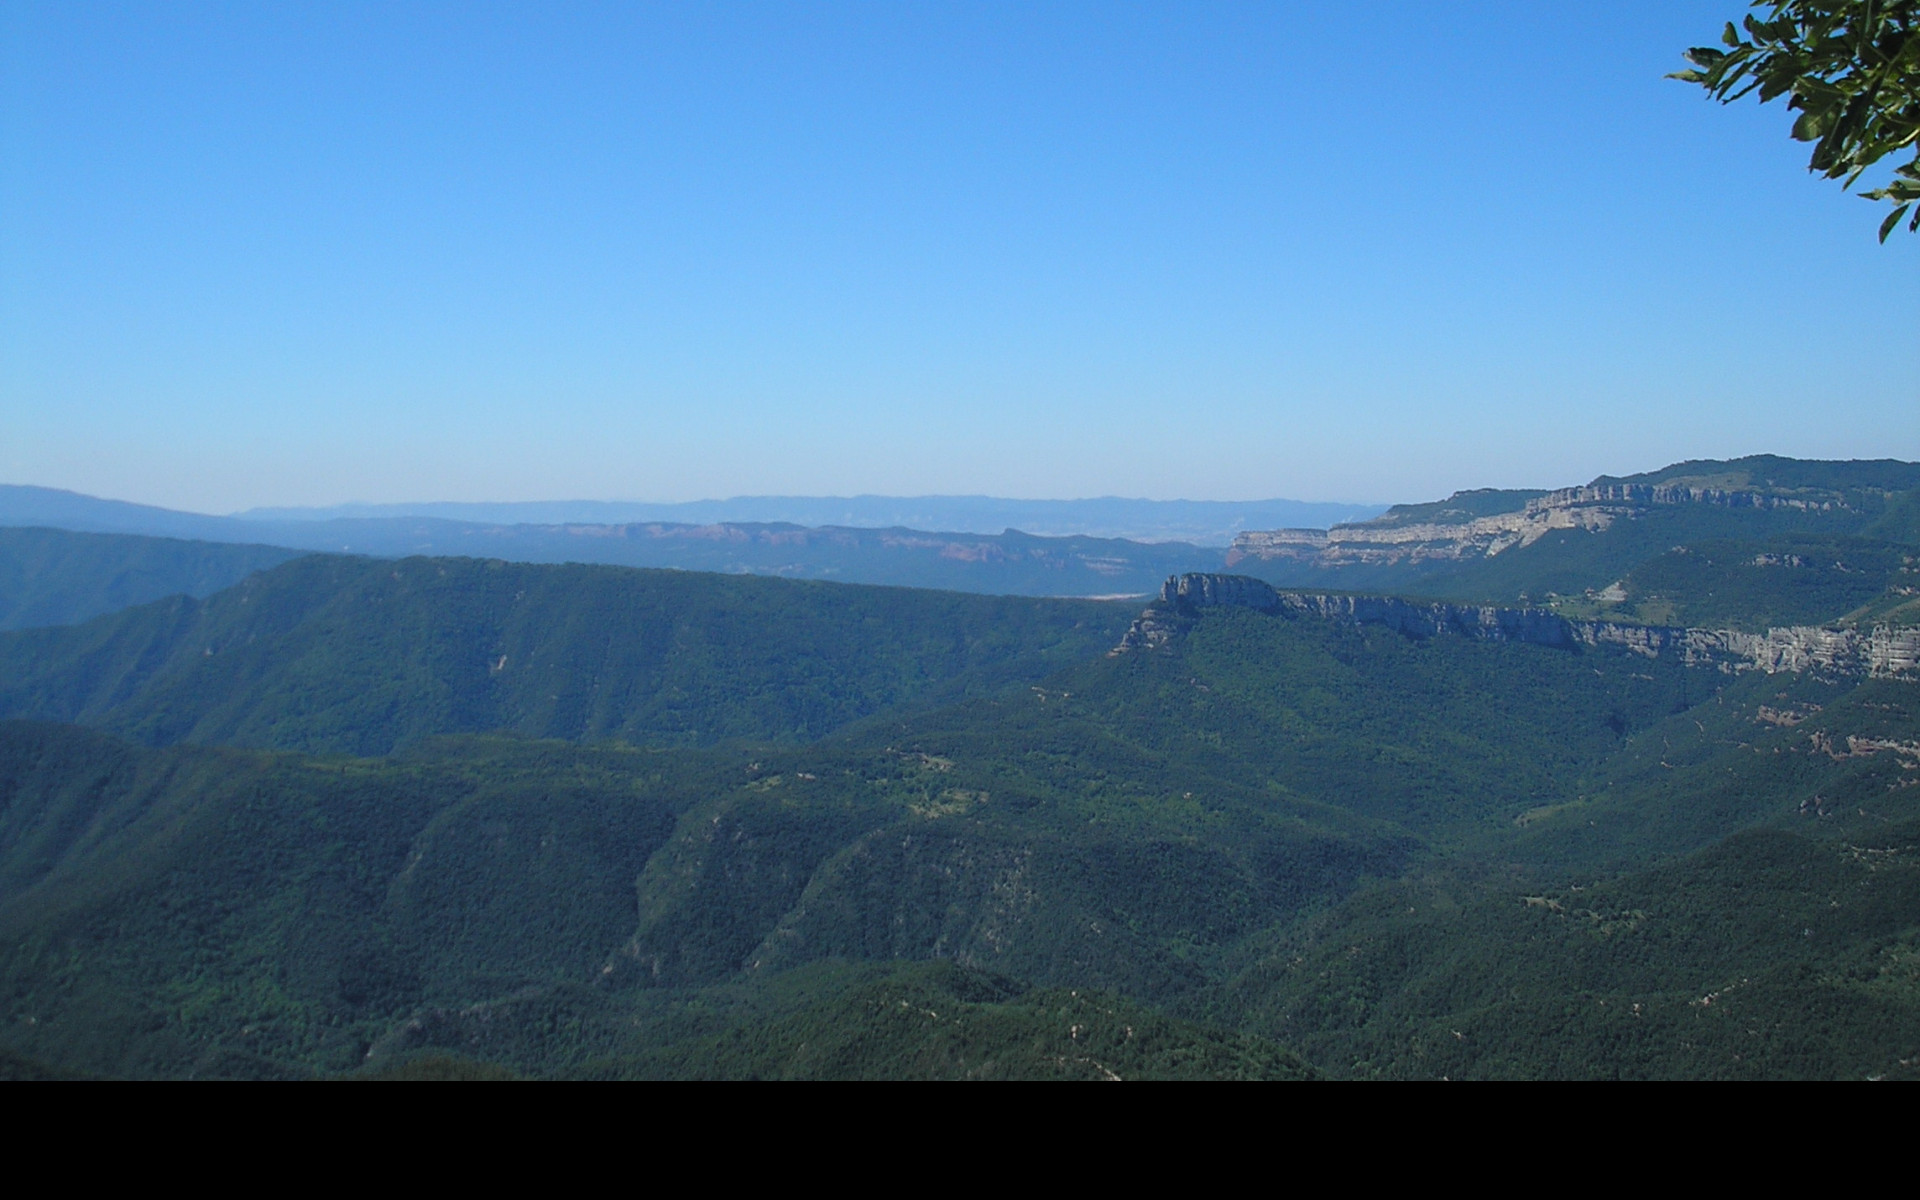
x,y
1387,540
1879,651
1651,494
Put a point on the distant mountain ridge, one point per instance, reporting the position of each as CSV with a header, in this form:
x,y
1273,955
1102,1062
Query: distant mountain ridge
x,y
1007,563
1201,522
1585,548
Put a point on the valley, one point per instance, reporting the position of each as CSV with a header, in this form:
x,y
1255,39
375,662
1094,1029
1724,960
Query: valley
x,y
1618,781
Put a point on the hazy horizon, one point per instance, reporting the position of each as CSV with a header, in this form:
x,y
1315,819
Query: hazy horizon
x,y
367,254
396,504
1208,523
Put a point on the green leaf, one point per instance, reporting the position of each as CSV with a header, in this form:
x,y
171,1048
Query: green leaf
x,y
1850,73
1887,226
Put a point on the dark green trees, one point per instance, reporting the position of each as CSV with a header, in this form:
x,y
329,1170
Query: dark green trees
x,y
1850,68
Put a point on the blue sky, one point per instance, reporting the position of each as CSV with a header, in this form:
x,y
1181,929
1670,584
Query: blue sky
x,y
280,254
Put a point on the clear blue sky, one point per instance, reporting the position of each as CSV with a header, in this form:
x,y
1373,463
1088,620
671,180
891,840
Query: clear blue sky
x,y
281,254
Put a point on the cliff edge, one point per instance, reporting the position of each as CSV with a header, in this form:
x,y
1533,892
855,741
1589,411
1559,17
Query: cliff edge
x,y
1877,651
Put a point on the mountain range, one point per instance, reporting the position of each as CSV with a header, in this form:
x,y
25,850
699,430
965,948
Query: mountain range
x,y
1485,545
1200,522
1621,781
1009,562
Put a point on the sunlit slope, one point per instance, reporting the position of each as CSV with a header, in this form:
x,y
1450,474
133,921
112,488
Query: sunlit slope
x,y
1335,837
1571,562
182,910
1757,585
1139,824
1776,953
1849,480
831,1020
1563,562
938,1020
250,914
1131,822
358,655
55,577
1491,546
1777,936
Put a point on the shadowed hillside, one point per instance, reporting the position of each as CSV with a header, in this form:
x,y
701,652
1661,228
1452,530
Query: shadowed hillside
x,y
1221,829
360,655
635,824
54,577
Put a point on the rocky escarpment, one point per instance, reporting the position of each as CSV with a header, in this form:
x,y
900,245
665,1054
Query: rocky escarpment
x,y
1182,597
1394,539
1651,494
1879,651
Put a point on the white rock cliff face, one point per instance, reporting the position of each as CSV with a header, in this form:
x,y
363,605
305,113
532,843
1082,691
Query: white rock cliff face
x,y
1384,541
1879,651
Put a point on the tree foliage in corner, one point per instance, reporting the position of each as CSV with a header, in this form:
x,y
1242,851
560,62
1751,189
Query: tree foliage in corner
x,y
1852,70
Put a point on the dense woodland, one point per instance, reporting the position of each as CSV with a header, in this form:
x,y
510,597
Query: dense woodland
x,y
59,577
458,818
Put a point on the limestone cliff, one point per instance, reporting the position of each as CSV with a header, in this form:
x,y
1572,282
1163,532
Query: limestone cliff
x,y
1392,538
1879,651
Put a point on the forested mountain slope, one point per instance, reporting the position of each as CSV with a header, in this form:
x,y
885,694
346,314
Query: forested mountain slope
x,y
240,913
1777,953
357,656
1849,481
1280,824
632,823
57,577
1759,584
